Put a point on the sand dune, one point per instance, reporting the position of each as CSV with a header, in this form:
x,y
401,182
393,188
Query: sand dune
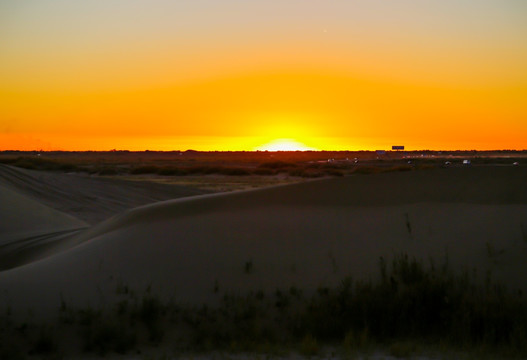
x,y
29,229
91,199
41,211
308,235
21,214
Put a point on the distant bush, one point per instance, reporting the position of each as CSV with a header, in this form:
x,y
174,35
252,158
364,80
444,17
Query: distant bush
x,y
277,165
213,169
328,165
28,164
367,170
107,170
66,167
8,160
191,170
204,169
234,171
264,171
381,169
38,163
172,171
145,169
306,165
305,173
334,172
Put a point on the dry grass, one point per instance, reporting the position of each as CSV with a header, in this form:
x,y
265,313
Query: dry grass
x,y
411,304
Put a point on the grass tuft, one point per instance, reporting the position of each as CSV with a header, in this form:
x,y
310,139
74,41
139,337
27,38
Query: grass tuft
x,y
309,346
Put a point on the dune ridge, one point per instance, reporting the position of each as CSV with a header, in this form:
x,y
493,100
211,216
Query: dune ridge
x,y
307,235
41,212
91,199
469,186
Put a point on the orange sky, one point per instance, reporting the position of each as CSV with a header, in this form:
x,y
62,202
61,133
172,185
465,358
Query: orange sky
x,y
233,76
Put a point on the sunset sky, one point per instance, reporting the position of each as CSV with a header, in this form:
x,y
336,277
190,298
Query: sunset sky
x,y
240,74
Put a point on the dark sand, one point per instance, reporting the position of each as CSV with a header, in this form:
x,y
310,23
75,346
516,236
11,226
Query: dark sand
x,y
307,235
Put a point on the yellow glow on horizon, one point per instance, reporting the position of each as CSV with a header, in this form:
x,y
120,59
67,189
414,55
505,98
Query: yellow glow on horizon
x,y
284,145
326,111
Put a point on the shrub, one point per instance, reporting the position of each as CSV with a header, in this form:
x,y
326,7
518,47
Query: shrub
x,y
402,349
367,170
264,171
356,341
38,163
106,335
248,267
145,169
305,173
277,165
45,343
66,167
309,346
334,172
234,171
172,171
107,171
150,313
204,169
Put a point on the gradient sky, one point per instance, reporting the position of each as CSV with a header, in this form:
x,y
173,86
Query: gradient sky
x,y
237,74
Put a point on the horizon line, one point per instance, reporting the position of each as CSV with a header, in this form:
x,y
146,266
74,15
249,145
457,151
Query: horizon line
x,y
263,151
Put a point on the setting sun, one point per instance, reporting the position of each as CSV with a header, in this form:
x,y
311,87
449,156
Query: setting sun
x,y
284,145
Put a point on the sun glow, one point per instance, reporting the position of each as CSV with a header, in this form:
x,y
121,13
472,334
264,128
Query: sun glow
x,y
284,145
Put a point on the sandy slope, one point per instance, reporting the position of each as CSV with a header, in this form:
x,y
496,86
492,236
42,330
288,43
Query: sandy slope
x,y
29,229
307,235
40,212
91,199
